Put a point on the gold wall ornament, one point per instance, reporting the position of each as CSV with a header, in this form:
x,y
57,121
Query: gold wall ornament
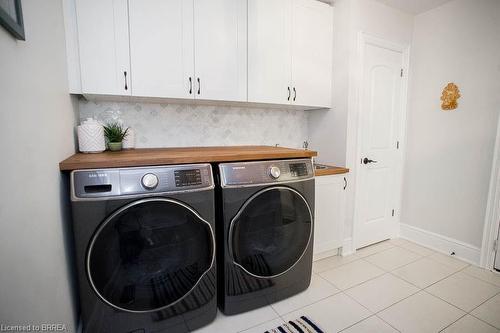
x,y
450,96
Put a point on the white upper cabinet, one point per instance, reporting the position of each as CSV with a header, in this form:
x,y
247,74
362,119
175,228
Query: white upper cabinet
x,y
220,32
312,29
161,48
290,52
103,46
269,43
260,51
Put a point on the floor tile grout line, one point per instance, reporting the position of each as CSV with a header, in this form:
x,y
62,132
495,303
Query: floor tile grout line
x,y
447,276
413,294
464,315
305,306
376,315
468,312
468,274
355,301
390,270
355,284
423,255
347,263
484,321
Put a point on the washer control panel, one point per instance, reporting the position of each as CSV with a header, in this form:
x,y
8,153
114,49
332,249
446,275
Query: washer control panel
x,y
87,184
265,172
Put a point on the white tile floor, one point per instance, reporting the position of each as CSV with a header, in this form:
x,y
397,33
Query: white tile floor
x,y
393,286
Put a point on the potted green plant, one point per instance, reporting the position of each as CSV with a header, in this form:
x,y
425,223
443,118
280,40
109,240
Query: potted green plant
x,y
115,133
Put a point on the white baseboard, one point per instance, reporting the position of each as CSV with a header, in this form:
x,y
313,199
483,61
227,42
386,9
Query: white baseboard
x,y
347,247
464,251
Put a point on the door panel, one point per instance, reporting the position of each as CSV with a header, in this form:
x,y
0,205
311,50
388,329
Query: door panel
x,y
312,40
161,47
221,49
380,119
269,60
149,255
329,214
271,232
104,46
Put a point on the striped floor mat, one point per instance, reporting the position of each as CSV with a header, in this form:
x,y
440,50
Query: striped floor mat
x,y
299,325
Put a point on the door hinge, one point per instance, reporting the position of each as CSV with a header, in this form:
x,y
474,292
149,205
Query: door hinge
x,y
401,72
397,144
393,212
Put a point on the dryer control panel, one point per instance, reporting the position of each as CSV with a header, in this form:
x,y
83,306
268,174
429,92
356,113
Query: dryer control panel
x,y
104,183
265,172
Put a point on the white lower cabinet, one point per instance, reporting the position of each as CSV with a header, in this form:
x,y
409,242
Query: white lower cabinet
x,y
329,214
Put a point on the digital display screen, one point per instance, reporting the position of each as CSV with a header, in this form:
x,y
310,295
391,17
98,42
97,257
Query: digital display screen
x,y
298,169
187,177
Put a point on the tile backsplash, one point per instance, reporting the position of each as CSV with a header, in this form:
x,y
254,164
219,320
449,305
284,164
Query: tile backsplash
x,y
178,125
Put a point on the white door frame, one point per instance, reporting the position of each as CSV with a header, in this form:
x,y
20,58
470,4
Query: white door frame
x,y
354,126
492,217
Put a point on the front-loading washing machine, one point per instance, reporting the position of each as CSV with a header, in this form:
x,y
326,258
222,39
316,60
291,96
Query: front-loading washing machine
x,y
145,248
264,232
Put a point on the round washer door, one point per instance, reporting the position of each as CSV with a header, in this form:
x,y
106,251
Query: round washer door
x,y
271,232
149,254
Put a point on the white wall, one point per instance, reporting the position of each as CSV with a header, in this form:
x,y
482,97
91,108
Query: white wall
x,y
333,133
328,130
449,154
36,132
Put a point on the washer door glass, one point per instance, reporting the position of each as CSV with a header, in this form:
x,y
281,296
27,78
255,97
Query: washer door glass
x,y
149,254
271,232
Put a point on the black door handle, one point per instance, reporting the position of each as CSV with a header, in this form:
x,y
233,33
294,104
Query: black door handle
x,y
190,85
294,94
367,160
199,86
289,93
125,77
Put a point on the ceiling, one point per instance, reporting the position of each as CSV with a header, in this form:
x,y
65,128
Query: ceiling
x,y
414,6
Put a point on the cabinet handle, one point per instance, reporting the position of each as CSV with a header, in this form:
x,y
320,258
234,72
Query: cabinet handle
x,y
289,94
294,94
190,85
345,183
199,86
125,77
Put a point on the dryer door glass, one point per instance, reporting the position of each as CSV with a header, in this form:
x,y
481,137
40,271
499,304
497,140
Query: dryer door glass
x,y
271,232
149,254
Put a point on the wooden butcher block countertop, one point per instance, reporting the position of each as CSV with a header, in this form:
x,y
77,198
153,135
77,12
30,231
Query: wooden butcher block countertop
x,y
165,156
328,169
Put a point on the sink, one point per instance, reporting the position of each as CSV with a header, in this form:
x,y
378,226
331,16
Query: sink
x,y
321,166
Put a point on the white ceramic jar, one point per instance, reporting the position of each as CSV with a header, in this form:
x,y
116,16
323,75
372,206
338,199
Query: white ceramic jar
x,y
91,137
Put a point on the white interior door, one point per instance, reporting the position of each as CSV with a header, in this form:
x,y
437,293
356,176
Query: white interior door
x,y
269,54
103,39
312,38
379,131
220,30
162,48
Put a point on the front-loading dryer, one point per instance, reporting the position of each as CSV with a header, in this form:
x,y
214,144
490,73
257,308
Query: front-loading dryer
x,y
145,248
264,232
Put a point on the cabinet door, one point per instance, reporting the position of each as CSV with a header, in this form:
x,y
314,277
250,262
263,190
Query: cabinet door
x,y
161,48
329,214
312,42
220,30
269,59
104,46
